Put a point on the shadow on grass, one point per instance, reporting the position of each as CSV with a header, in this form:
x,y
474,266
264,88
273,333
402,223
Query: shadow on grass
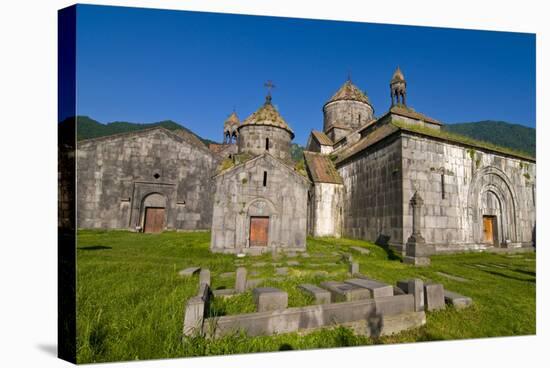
x,y
285,347
94,247
383,242
495,273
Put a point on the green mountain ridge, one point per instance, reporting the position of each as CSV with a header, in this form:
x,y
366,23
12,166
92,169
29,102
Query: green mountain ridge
x,y
514,136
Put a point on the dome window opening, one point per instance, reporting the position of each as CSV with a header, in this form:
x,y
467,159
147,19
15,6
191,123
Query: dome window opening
x,y
267,144
265,178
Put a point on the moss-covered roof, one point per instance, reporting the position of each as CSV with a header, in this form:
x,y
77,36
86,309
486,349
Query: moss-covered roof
x,y
321,169
394,125
398,76
349,91
268,115
321,138
410,113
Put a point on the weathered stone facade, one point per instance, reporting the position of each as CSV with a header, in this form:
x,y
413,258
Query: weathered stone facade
x,y
120,176
262,187
257,139
474,195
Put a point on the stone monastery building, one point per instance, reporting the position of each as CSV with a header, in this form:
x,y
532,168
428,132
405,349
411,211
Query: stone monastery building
x,y
387,179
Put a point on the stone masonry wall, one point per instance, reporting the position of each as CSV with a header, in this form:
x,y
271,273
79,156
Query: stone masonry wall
x,y
116,174
459,185
252,139
373,194
351,114
240,194
327,211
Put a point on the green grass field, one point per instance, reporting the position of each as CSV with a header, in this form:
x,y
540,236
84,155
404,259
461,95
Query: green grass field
x,y
130,298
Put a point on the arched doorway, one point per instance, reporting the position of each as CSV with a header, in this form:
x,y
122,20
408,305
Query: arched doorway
x,y
492,205
154,213
261,223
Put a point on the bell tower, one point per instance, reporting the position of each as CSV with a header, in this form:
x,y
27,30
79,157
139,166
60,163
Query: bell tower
x,y
398,88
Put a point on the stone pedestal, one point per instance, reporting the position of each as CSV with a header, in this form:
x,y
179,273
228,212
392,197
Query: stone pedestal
x,y
270,299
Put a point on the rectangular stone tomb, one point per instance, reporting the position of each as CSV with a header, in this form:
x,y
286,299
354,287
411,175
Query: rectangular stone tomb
x,y
342,292
457,300
270,299
312,317
376,288
321,296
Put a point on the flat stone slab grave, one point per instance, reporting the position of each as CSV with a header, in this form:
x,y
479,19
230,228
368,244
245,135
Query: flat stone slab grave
x,y
189,271
341,292
376,288
281,271
270,299
321,296
452,277
457,300
361,250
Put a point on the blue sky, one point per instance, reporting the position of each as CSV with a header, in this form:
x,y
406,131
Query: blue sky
x,y
144,65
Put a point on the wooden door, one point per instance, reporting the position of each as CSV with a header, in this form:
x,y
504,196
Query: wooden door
x,y
488,231
154,220
259,227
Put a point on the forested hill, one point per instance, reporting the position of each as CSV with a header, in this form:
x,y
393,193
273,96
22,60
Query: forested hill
x,y
89,128
501,133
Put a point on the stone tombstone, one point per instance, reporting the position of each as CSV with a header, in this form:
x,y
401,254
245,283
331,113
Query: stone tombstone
x,y
416,288
204,277
417,251
270,299
320,295
240,280
434,297
354,268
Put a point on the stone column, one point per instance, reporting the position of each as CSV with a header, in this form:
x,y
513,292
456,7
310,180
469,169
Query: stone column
x,y
417,250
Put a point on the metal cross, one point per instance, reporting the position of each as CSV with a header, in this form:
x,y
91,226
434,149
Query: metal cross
x,y
269,85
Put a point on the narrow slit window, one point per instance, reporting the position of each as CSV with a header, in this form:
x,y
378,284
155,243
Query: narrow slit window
x,y
265,178
267,144
442,186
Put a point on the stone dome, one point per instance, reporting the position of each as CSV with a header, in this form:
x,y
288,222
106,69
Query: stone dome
x,y
267,115
350,92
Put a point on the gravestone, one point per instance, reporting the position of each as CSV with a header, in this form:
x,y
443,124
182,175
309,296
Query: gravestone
x,y
321,296
417,251
281,271
354,268
361,250
270,299
457,300
434,297
223,293
240,280
416,288
253,283
342,292
377,289
204,277
189,271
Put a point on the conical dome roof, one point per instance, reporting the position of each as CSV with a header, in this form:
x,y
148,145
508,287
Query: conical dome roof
x,y
349,91
398,76
267,114
233,119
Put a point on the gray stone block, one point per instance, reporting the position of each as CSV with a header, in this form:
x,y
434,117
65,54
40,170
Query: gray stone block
x,y
320,295
204,277
377,289
240,280
194,316
354,268
281,271
434,297
270,299
342,292
189,271
457,300
416,288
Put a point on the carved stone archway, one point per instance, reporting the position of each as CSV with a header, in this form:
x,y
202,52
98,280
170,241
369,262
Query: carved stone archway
x,y
492,193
